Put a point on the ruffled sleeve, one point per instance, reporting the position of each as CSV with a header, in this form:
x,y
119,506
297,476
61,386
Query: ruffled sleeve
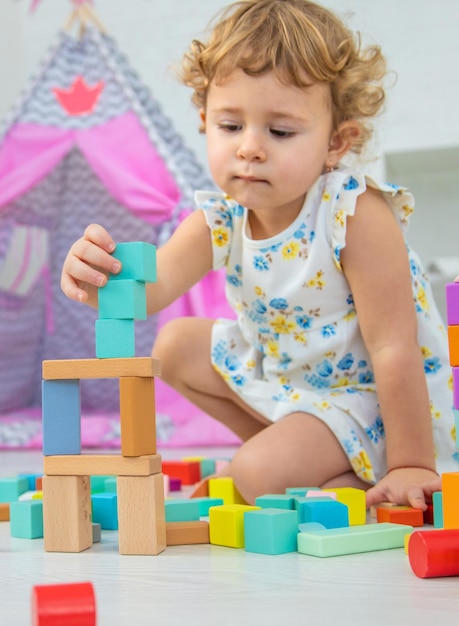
x,y
399,199
223,215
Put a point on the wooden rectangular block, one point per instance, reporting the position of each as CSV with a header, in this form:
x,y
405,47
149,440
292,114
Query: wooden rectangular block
x,y
61,407
102,465
4,511
187,533
453,343
67,521
450,491
101,368
137,416
141,517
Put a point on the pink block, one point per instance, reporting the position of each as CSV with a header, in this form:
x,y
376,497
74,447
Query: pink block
x,y
166,485
316,493
452,304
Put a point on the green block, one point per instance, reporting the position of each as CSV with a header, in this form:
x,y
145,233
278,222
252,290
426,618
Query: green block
x,y
138,260
123,300
276,501
182,510
271,531
26,519
115,338
110,485
12,488
352,539
437,501
98,483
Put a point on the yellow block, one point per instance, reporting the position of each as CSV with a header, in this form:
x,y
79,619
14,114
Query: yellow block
x,y
225,489
355,499
450,489
406,541
226,524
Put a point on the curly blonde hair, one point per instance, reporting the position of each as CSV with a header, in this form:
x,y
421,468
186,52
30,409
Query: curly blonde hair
x,y
299,41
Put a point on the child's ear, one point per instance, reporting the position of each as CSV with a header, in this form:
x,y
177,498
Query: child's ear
x,y
342,140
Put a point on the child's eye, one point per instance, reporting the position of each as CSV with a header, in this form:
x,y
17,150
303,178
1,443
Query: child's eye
x,y
230,128
281,133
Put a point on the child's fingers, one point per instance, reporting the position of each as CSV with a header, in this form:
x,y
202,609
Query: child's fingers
x,y
97,234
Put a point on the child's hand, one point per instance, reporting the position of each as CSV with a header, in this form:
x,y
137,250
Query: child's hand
x,y
87,265
412,486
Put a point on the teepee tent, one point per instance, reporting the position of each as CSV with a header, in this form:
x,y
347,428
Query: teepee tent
x,y
87,142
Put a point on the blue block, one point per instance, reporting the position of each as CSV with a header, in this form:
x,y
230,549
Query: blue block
x,y
115,338
105,510
12,488
206,503
138,261
182,510
271,531
61,407
26,519
325,511
437,501
276,501
123,300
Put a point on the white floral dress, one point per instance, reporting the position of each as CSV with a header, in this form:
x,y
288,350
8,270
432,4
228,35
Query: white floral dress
x,y
296,344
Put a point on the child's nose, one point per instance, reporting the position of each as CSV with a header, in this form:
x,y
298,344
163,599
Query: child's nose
x,y
251,147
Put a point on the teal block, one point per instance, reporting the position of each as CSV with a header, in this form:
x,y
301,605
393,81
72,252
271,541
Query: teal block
x,y
437,501
182,510
110,485
98,483
138,260
351,540
206,503
31,480
123,299
115,338
271,531
330,513
26,519
276,501
12,488
207,467
300,491
61,408
105,510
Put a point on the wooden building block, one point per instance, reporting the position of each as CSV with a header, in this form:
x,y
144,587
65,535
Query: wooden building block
x,y
453,343
187,533
356,502
452,304
137,416
351,540
400,515
141,517
189,472
270,531
61,406
101,368
115,338
122,300
102,465
227,524
225,489
67,603
138,260
26,519
450,489
4,511
67,521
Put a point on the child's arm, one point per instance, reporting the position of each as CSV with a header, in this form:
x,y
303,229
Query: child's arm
x,y
181,263
376,265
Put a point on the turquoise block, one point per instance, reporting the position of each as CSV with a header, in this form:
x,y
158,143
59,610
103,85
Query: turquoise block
x,y
12,488
110,485
31,480
437,501
98,483
26,519
105,510
206,503
270,531
123,299
276,501
207,467
300,491
330,513
138,260
61,408
182,510
115,338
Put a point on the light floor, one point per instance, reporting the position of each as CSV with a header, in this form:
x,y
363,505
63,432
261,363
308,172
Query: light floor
x,y
211,585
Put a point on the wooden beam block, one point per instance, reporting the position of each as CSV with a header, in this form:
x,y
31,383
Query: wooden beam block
x,y
102,465
4,512
187,533
137,416
101,368
141,517
67,524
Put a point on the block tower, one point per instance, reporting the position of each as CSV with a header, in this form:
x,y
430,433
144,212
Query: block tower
x,y
140,487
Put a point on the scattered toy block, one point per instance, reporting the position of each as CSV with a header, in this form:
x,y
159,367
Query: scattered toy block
x,y
101,368
96,533
26,519
137,416
68,603
352,540
175,484
189,472
105,510
31,480
27,496
138,261
71,529
428,515
450,490
141,517
207,467
330,513
374,508
182,510
187,533
452,304
453,343
400,515
437,500
110,485
300,491
205,503
12,488
102,465
122,300
4,512
98,483
321,493
39,483
61,407
225,489
356,502
406,543
434,553
276,501
270,531
227,524
115,338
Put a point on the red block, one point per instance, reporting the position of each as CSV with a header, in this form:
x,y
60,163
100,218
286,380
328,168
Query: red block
x,y
434,553
428,515
189,472
72,604
400,515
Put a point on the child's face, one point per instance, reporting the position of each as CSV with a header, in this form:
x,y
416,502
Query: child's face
x,y
267,142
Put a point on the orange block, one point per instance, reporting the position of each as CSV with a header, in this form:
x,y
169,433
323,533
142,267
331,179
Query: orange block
x,y
187,533
400,515
453,341
137,416
4,512
450,488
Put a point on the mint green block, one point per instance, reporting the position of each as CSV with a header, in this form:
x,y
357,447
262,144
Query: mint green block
x,y
276,501
12,488
206,503
207,467
271,531
105,510
326,511
98,483
26,519
110,485
115,338
123,300
138,260
437,501
182,510
352,540
300,491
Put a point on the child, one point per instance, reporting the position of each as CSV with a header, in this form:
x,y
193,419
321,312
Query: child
x,y
335,372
